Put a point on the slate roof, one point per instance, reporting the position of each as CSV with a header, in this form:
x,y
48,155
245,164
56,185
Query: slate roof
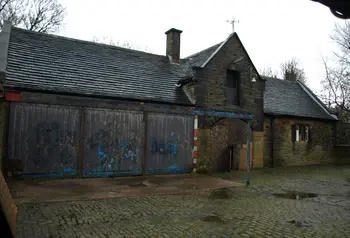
x,y
39,61
283,97
45,62
199,58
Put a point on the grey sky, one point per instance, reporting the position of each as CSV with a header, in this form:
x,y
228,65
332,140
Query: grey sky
x,y
272,31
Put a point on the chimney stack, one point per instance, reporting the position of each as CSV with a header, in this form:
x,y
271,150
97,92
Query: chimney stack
x,y
173,45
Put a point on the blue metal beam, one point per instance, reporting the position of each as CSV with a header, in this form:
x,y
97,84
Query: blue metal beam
x,y
203,112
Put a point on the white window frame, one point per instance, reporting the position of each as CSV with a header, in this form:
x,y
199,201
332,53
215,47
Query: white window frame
x,y
306,133
297,133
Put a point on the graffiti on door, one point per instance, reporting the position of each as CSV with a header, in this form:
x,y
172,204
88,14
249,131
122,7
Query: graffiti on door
x,y
112,152
169,147
52,141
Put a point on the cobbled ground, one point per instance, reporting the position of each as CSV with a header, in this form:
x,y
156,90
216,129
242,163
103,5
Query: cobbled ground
x,y
239,212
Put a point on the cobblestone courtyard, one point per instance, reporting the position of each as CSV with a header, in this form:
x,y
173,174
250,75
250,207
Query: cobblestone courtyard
x,y
238,212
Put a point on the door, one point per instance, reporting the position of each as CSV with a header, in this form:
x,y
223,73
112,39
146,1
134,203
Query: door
x,y
113,142
43,140
169,143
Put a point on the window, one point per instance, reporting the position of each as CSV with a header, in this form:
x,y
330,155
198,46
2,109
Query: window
x,y
300,133
232,87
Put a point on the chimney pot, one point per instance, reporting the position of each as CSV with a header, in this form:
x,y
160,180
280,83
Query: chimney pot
x,y
173,45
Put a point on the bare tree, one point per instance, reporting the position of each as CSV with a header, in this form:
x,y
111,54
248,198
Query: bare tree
x,y
268,72
336,84
36,15
125,44
291,71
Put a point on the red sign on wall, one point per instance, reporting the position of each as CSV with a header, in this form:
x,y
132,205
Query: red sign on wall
x,y
13,96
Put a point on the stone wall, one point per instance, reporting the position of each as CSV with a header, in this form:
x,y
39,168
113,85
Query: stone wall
x,y
210,91
342,148
342,154
227,132
216,142
343,133
318,150
267,143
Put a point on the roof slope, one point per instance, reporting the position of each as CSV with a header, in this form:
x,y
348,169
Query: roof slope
x,y
283,97
199,58
46,62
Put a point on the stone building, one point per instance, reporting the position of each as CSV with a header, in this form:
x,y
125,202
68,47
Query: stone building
x,y
77,108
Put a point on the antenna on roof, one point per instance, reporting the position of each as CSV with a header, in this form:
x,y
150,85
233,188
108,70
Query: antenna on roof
x,y
232,22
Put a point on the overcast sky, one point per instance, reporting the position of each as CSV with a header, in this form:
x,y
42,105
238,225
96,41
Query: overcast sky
x,y
272,31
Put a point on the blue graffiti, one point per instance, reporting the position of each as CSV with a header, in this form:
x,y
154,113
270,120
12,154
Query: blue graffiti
x,y
99,172
112,162
172,133
169,170
172,148
173,166
66,172
112,151
223,114
126,152
159,146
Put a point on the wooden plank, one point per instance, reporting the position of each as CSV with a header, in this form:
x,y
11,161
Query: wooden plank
x,y
8,205
243,156
258,149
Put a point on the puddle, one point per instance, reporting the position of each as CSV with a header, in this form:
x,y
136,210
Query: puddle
x,y
212,218
223,193
300,223
295,195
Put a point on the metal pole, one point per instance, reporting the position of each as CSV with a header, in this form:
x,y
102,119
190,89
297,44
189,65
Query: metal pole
x,y
248,153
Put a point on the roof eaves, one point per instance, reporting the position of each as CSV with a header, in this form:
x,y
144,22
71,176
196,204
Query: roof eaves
x,y
315,99
277,114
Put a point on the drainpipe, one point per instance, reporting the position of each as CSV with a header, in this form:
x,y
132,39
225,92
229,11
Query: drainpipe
x,y
195,144
272,140
248,153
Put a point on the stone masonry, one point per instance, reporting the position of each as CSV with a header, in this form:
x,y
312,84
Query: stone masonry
x,y
210,90
318,150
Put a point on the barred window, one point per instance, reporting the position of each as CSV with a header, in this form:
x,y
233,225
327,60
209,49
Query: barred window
x,y
300,133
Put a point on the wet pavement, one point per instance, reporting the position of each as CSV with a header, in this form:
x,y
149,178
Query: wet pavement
x,y
253,211
102,188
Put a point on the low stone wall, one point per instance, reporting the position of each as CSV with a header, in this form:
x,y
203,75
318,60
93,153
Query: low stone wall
x,y
342,148
343,133
342,154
